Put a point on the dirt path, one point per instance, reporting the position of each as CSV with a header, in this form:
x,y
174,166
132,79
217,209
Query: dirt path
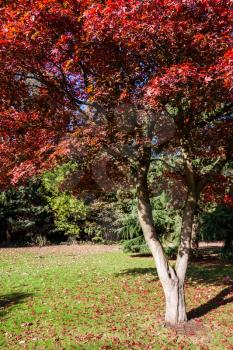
x,y
81,249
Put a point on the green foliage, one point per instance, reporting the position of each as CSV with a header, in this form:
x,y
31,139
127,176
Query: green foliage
x,y
69,212
24,213
167,223
217,225
94,232
129,227
136,245
101,225
43,211
52,180
78,219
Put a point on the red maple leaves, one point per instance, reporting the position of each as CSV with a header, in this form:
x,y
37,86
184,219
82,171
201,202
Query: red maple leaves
x,y
168,56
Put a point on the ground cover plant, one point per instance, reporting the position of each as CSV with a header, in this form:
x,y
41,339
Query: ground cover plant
x,y
99,298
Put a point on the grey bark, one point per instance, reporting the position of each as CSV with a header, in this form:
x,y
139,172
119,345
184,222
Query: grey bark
x,y
172,280
186,234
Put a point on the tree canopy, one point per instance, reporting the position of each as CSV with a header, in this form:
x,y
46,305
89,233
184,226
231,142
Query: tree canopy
x,y
114,86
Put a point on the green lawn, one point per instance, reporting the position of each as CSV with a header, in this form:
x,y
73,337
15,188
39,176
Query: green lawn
x,y
106,301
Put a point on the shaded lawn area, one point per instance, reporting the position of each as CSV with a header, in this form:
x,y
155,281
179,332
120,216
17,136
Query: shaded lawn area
x,y
106,301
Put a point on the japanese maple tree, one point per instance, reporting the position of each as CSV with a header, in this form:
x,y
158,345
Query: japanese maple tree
x,y
131,78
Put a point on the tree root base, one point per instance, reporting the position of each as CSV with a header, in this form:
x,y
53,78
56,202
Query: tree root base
x,y
190,328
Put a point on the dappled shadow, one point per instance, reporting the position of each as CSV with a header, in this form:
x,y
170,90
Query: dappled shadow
x,y
7,301
217,274
141,255
202,275
138,271
219,300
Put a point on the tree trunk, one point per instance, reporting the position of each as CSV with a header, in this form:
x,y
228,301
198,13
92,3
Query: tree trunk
x,y
173,286
172,279
175,304
175,297
186,234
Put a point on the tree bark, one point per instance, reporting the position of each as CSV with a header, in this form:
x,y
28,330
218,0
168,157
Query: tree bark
x,y
175,297
175,304
172,284
173,287
186,234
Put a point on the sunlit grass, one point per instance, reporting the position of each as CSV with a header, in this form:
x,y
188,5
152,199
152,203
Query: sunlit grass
x,y
104,301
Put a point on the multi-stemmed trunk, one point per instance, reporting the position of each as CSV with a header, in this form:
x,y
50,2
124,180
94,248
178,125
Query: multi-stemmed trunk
x,y
172,278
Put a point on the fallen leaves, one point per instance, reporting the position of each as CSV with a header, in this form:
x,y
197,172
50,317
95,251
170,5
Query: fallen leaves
x,y
85,301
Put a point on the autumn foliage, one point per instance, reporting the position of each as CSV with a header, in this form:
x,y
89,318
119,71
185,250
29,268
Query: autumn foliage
x,y
113,86
57,56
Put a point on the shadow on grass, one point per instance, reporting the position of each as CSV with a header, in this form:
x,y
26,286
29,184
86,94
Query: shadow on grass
x,y
138,271
210,274
218,274
141,255
7,301
214,303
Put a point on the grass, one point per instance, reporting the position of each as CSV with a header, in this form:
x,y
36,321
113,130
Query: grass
x,y
106,301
